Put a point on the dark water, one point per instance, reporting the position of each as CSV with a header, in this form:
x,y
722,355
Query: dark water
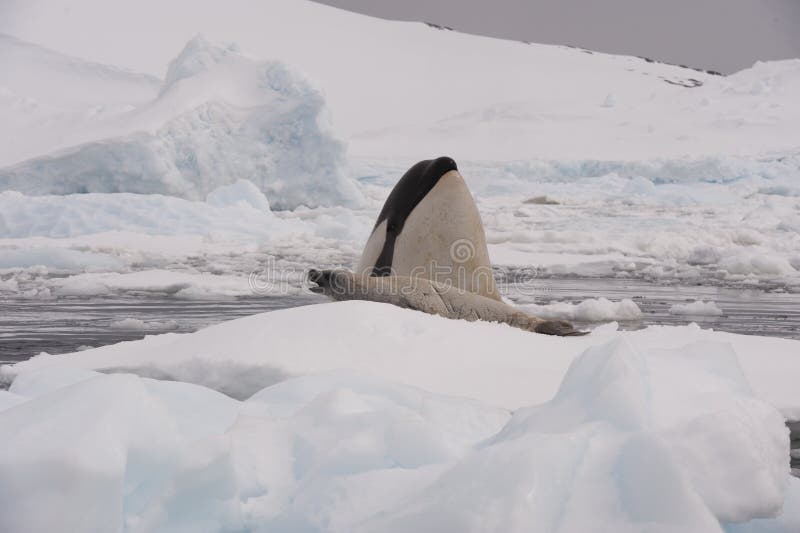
x,y
745,311
28,327
794,429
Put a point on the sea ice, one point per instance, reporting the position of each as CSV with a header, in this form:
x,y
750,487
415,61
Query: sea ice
x,y
591,310
633,433
696,308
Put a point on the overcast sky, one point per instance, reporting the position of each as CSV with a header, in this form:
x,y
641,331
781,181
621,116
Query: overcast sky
x,y
724,35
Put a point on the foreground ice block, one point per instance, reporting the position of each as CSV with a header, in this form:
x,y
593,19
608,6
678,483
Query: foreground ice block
x,y
665,437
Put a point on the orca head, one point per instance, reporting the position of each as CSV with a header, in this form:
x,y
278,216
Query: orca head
x,y
412,188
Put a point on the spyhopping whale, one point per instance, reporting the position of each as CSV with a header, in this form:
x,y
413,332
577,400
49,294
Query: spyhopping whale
x,y
428,252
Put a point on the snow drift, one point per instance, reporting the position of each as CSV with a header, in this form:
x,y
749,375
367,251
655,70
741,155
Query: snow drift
x,y
219,117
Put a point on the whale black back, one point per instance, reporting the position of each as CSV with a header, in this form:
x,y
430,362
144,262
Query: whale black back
x,y
415,185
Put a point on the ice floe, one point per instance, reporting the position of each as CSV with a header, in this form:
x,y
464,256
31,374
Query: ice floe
x,y
415,422
696,308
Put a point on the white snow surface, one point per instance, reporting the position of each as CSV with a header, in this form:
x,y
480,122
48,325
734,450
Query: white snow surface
x,y
395,88
360,416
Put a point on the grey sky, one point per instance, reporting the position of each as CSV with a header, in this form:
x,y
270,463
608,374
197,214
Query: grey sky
x,y
724,35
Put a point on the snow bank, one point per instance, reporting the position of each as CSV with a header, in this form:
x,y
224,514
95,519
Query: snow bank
x,y
591,310
220,117
641,433
696,308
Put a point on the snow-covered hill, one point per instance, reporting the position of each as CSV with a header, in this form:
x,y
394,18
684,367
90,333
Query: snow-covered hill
x,y
405,88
